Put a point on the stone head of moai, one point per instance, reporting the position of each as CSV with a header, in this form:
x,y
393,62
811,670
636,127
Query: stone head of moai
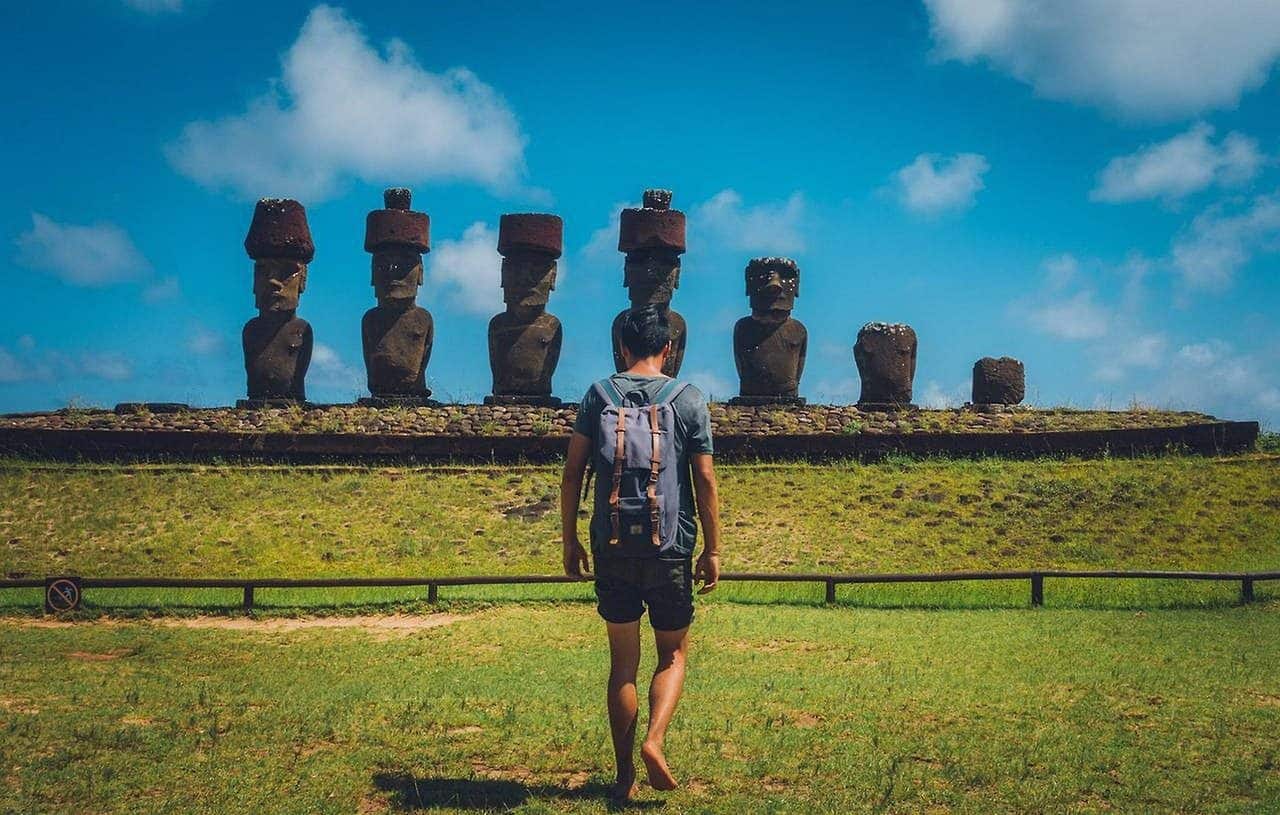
x,y
885,354
653,239
279,242
530,245
397,238
773,284
998,381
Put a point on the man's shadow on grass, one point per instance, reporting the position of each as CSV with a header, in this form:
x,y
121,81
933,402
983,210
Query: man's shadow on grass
x,y
411,793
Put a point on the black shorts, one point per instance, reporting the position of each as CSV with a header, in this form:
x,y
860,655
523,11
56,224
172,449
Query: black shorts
x,y
624,586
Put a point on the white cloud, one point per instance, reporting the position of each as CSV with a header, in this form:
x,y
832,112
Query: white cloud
x,y
202,341
1122,355
92,255
937,397
468,271
11,368
1061,271
1140,58
774,227
155,6
1212,375
329,370
1174,169
931,184
1218,243
341,109
166,288
713,386
1078,317
602,246
106,365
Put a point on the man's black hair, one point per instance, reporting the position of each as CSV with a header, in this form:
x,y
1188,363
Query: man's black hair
x,y
645,330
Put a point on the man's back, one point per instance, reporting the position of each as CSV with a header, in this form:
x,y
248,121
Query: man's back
x,y
692,436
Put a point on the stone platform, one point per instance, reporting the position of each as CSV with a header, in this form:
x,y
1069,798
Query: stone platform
x,y
511,432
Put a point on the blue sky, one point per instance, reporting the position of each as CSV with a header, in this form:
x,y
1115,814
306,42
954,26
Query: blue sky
x,y
1094,192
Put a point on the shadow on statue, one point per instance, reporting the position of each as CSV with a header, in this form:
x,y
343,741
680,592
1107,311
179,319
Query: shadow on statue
x,y
410,793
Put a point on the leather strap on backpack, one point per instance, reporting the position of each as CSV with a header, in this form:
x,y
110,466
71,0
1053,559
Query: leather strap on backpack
x,y
619,460
655,460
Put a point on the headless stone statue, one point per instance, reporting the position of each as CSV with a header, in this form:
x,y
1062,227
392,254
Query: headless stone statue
x,y
885,354
277,343
397,334
999,381
524,340
769,345
653,239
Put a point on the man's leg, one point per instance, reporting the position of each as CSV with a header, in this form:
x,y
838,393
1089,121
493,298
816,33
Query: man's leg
x,y
624,659
664,692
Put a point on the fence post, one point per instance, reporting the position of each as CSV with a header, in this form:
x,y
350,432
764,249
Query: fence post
x,y
1037,589
247,605
1246,590
831,591
433,593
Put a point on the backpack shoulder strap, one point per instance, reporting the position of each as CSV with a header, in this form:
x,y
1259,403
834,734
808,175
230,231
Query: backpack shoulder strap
x,y
670,392
609,392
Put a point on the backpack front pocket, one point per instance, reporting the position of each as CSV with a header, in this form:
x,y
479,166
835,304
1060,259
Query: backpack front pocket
x,y
636,526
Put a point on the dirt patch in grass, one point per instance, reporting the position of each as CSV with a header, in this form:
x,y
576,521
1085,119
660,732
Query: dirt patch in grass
x,y
381,625
98,656
376,624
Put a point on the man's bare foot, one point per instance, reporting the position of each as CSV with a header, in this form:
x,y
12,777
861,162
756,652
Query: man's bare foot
x,y
660,778
624,786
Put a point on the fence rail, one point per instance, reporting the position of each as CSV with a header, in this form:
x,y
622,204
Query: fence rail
x,y
247,586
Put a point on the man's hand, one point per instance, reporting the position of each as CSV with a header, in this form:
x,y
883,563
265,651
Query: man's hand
x,y
707,571
576,562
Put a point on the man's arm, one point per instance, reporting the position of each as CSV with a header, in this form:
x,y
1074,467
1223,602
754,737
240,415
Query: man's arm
x,y
576,563
707,495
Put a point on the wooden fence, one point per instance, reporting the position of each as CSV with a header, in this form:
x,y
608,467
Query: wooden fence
x,y
1035,577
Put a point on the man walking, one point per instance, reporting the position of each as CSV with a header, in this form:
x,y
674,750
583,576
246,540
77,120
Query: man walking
x,y
648,438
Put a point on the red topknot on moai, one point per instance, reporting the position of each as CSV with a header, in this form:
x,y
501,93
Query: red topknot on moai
x,y
653,239
397,333
524,340
277,343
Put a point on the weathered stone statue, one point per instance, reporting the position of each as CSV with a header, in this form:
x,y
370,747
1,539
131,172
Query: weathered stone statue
x,y
277,343
769,345
524,340
653,239
886,357
397,333
998,381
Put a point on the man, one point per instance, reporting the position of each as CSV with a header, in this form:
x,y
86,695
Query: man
x,y
624,585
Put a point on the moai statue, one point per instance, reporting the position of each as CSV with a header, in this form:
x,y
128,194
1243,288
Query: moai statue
x,y
277,343
397,333
769,345
998,381
653,239
524,340
886,357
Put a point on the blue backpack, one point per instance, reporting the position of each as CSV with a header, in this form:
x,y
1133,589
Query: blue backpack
x,y
637,495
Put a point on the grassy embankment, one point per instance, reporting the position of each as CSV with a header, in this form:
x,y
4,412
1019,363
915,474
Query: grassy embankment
x,y
789,710
1175,513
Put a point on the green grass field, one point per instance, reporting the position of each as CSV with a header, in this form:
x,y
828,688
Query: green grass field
x,y
787,710
1126,696
236,521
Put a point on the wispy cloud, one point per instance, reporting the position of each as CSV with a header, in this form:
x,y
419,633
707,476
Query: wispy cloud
x,y
932,184
468,271
342,110
30,363
1139,58
775,227
155,6
1220,241
1173,169
82,255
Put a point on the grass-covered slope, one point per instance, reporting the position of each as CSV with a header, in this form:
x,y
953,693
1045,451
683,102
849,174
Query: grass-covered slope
x,y
789,710
1175,513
